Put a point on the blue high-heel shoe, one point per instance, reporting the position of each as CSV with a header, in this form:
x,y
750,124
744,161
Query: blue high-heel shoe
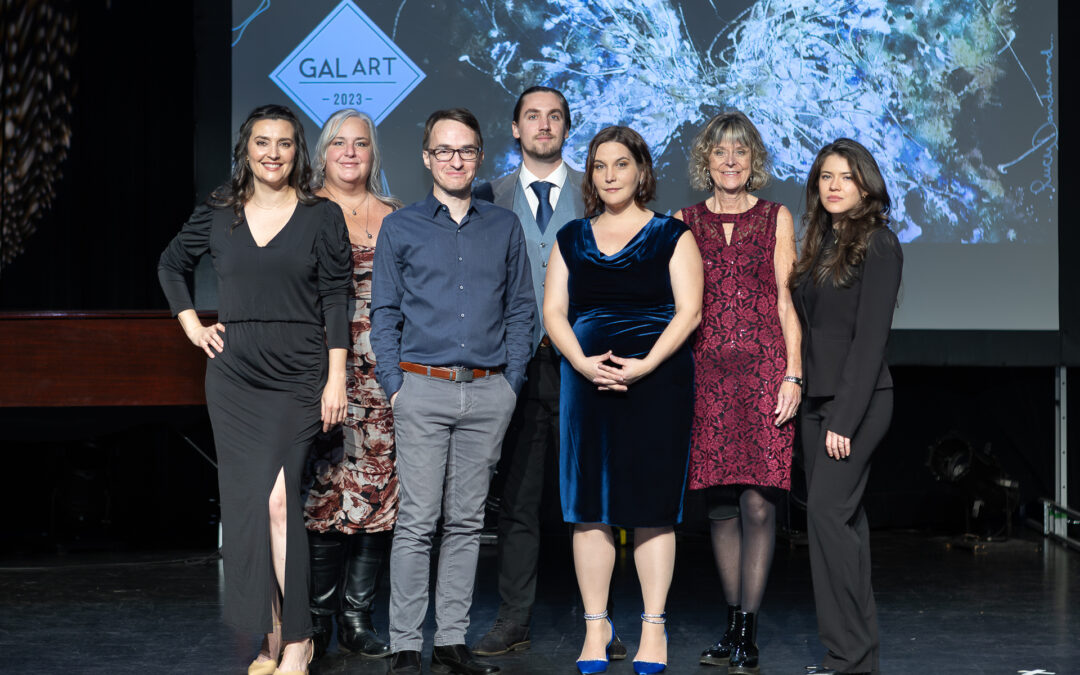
x,y
589,666
649,667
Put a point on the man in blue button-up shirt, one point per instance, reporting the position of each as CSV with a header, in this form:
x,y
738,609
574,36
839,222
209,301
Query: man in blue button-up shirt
x,y
451,326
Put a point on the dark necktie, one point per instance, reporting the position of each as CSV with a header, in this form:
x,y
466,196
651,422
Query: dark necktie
x,y
542,188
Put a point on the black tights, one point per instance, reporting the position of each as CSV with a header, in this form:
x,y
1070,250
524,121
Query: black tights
x,y
744,541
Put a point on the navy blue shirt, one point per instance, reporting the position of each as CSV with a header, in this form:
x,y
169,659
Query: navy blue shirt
x,y
451,294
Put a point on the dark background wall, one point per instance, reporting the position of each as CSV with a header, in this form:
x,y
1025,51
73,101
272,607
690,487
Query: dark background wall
x,y
151,137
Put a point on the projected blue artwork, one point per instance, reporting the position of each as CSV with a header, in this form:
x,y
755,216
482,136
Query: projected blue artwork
x,y
908,79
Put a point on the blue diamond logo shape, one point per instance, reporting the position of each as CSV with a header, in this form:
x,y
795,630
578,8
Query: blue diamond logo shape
x,y
347,62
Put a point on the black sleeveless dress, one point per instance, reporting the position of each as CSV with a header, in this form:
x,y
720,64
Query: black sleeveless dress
x,y
283,306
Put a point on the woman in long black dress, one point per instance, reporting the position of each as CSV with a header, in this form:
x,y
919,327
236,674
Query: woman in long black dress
x,y
623,294
844,286
276,368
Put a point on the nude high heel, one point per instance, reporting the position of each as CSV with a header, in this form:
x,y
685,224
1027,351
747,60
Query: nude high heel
x,y
310,656
268,667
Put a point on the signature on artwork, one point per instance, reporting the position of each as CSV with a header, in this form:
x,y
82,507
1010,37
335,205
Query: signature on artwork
x,y
1045,137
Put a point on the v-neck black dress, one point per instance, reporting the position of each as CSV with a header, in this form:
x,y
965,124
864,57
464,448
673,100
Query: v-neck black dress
x,y
283,306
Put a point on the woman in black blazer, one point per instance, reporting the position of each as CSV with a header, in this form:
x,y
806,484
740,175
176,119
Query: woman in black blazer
x,y
844,286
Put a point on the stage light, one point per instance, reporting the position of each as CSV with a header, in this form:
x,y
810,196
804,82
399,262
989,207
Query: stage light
x,y
991,495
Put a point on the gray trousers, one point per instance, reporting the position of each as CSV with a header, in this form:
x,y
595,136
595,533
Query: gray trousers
x,y
448,438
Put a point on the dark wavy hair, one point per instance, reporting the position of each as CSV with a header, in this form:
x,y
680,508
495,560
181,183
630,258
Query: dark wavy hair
x,y
639,150
241,185
837,264
540,89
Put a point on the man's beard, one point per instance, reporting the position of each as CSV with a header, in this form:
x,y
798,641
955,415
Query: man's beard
x,y
554,153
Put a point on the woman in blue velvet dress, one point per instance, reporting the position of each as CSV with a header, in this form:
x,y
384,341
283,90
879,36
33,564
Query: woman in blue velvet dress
x,y
623,294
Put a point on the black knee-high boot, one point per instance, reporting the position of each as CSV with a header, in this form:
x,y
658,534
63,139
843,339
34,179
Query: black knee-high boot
x,y
364,566
327,552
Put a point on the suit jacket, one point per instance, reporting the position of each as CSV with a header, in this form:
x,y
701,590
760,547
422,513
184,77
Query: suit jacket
x,y
845,330
508,193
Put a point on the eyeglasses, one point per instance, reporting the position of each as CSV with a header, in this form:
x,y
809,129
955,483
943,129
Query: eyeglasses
x,y
467,154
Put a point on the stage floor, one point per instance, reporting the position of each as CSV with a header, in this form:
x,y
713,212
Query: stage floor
x,y
943,609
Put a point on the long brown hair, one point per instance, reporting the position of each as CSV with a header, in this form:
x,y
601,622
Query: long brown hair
x,y
838,263
241,184
639,150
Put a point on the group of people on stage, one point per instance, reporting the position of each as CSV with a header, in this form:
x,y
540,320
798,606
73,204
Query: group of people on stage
x,y
546,320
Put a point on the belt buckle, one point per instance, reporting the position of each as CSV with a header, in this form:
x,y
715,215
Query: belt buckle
x,y
462,374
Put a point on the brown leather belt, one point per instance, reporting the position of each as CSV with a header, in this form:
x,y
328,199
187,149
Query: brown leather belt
x,y
455,374
545,341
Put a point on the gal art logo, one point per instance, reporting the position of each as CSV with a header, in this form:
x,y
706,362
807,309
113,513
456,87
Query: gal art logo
x,y
347,62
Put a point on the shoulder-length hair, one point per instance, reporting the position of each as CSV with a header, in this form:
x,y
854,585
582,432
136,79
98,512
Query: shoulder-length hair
x,y
731,126
241,183
837,264
639,150
329,132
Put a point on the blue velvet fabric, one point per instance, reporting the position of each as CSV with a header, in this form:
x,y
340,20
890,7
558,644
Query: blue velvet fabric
x,y
623,456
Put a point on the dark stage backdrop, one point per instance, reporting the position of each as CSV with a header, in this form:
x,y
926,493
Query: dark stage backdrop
x,y
128,182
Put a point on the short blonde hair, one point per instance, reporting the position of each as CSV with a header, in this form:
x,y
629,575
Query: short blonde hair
x,y
738,128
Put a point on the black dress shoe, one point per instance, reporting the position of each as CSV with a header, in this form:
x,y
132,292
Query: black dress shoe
x,y
458,659
505,636
405,663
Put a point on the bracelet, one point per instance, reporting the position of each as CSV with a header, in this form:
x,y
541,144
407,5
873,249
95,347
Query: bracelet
x,y
793,379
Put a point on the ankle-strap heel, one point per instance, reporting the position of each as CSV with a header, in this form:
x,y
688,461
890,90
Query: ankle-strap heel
x,y
649,667
589,666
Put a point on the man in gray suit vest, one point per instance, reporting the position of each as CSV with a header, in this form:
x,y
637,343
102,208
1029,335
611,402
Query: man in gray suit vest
x,y
545,194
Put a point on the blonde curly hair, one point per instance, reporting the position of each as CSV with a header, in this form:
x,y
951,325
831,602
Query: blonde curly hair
x,y
737,127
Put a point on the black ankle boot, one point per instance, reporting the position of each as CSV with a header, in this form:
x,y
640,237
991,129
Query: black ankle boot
x,y
720,653
355,630
327,553
744,655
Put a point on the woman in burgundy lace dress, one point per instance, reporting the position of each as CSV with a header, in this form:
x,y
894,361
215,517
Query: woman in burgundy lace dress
x,y
352,505
747,370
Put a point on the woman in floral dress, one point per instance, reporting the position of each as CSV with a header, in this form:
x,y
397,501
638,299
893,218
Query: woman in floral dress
x,y
352,505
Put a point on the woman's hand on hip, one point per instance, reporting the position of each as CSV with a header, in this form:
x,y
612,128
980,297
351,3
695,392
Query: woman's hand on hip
x,y
787,402
837,446
205,337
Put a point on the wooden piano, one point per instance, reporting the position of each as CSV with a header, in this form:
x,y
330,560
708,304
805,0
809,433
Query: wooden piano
x,y
109,358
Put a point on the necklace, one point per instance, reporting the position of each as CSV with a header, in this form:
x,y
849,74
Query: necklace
x,y
280,204
363,203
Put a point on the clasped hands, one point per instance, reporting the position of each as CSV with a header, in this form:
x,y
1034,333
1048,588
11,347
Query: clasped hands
x,y
613,373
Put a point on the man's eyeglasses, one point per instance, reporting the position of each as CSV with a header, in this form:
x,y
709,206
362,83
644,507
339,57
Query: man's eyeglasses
x,y
467,154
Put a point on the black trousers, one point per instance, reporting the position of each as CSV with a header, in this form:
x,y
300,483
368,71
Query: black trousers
x,y
840,536
529,450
